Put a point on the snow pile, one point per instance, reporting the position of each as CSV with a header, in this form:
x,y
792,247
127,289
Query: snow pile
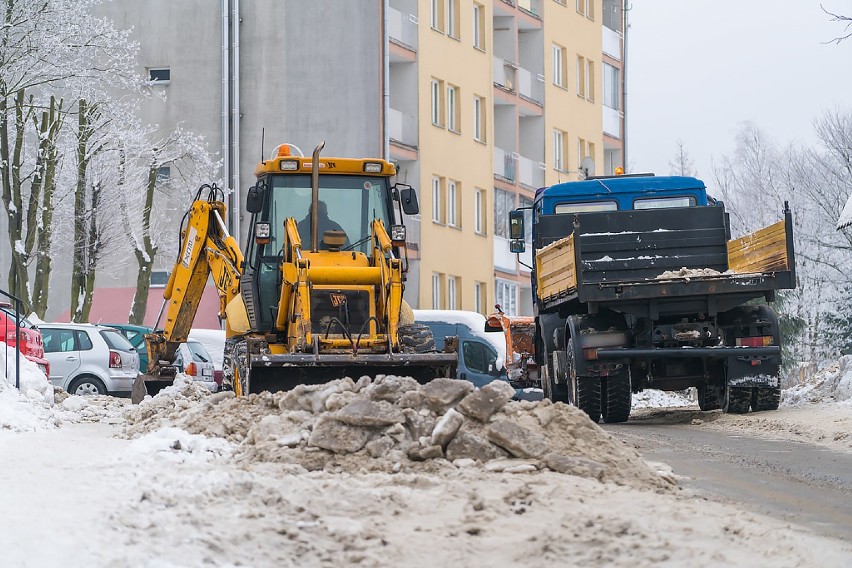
x,y
393,424
91,408
178,445
652,398
30,408
688,273
832,384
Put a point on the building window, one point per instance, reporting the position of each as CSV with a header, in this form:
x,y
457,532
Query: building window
x,y
506,294
437,202
437,102
525,202
591,151
590,80
479,297
438,15
590,9
453,18
479,119
581,76
503,203
560,159
453,108
479,211
159,75
436,290
581,6
559,63
164,174
452,301
159,278
452,203
611,87
478,26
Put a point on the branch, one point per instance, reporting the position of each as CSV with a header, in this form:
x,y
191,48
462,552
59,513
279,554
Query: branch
x,y
847,29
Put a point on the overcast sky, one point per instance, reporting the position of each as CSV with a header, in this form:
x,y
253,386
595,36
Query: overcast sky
x,y
697,69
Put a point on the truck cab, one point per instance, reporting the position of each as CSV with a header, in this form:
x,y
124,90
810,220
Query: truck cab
x,y
480,359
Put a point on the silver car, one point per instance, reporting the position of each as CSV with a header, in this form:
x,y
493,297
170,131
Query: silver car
x,y
89,359
194,360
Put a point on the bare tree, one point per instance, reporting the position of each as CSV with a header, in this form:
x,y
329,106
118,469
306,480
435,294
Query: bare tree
x,y
847,28
682,164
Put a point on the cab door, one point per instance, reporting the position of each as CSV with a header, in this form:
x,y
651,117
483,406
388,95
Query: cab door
x,y
478,362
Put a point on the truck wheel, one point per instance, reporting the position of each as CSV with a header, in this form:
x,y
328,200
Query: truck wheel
x,y
585,391
616,398
736,400
235,371
708,397
416,338
562,371
765,398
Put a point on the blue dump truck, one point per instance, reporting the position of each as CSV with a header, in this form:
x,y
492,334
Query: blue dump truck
x,y
637,284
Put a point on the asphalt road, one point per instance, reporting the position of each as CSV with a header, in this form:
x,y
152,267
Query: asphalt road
x,y
792,481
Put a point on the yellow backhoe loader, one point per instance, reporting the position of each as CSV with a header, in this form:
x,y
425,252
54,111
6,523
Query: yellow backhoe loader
x,y
318,294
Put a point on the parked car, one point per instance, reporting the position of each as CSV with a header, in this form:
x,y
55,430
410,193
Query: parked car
x,y
481,355
193,351
27,337
89,359
194,360
135,334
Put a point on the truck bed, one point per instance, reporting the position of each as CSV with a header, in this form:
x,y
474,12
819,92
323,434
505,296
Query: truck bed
x,y
662,255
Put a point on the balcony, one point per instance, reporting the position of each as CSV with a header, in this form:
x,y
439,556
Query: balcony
x,y
402,127
402,28
530,172
531,6
612,121
531,85
504,164
504,73
611,43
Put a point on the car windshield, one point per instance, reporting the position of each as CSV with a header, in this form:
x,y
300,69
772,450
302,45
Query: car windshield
x,y
115,340
199,353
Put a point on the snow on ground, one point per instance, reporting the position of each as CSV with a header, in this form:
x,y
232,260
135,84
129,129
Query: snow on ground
x,y
29,408
831,384
652,398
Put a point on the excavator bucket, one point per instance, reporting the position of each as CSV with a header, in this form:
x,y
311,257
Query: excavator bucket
x,y
284,372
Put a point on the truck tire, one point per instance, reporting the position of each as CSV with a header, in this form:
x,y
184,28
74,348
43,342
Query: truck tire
x,y
765,398
561,370
585,392
235,366
708,397
416,338
616,398
736,400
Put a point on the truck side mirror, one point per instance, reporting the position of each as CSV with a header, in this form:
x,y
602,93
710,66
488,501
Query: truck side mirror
x,y
254,199
517,246
516,225
408,198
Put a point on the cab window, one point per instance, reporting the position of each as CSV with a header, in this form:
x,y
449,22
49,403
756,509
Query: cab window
x,y
478,357
585,207
664,202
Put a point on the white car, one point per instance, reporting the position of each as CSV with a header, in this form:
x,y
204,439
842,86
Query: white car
x,y
194,360
89,359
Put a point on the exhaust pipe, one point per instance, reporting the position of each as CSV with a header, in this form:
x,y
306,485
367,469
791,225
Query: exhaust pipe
x,y
315,196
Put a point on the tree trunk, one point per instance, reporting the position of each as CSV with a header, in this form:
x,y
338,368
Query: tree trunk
x,y
79,271
41,279
145,257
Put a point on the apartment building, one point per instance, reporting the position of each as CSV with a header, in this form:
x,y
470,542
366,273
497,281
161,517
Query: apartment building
x,y
479,102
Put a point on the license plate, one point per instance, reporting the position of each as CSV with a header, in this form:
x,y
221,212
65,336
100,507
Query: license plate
x,y
207,372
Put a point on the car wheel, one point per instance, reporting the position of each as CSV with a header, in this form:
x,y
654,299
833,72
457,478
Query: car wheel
x,y
83,386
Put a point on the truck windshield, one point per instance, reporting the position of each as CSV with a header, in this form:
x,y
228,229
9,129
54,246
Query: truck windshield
x,y
586,206
348,203
663,202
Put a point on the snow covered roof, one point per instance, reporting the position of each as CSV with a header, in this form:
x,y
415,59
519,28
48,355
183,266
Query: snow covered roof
x,y
846,215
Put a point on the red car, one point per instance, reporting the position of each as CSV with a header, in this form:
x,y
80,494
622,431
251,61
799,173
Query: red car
x,y
27,337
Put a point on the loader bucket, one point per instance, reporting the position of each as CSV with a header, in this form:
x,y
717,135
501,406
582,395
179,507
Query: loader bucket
x,y
150,384
283,372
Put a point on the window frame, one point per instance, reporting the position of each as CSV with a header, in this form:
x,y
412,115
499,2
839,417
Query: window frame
x,y
437,102
581,76
558,66
560,162
452,203
453,111
437,15
479,119
151,71
478,26
453,19
437,201
479,211
452,297
436,291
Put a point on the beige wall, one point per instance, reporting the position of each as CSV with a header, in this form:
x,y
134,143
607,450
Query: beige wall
x,y
459,252
564,109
